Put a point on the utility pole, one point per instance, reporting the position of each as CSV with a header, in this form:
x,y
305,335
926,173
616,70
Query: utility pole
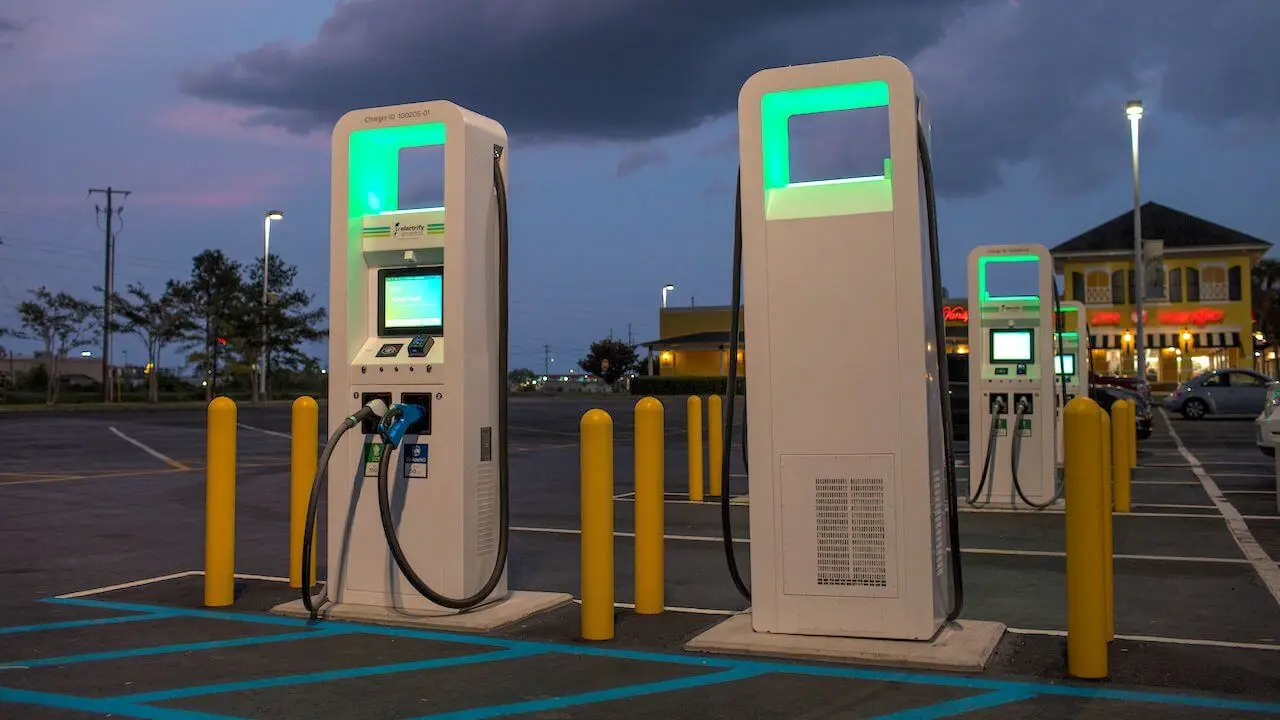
x,y
107,289
546,360
631,339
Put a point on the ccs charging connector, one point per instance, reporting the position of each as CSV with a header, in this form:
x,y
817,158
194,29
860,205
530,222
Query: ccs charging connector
x,y
397,421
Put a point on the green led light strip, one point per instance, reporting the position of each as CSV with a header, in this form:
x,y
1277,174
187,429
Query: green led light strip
x,y
373,165
842,196
984,296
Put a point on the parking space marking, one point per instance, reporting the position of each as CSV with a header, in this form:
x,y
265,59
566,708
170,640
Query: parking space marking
x,y
148,472
967,550
272,433
1175,506
1249,492
149,450
329,676
730,669
1158,639
1266,568
675,609
1163,482
959,706
689,682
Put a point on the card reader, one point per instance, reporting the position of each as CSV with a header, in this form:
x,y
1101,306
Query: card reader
x,y
420,345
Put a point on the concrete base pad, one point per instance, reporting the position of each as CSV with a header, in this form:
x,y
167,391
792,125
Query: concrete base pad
x,y
517,606
965,645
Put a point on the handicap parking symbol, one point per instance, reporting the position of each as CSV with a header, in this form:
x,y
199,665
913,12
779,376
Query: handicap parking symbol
x,y
415,460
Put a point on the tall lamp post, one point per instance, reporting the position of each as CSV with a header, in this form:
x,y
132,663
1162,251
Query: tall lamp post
x,y
266,263
666,289
1134,112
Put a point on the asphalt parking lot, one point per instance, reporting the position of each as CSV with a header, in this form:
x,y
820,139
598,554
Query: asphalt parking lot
x,y
92,501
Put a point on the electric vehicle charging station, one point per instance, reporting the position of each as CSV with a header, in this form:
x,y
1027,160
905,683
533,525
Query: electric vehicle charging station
x,y
1012,393
418,495
1071,361
852,509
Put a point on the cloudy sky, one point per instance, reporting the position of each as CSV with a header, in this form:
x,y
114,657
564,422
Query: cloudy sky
x,y
622,124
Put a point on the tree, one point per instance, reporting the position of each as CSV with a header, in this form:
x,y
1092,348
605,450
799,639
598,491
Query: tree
x,y
209,299
59,322
521,377
1266,300
288,317
157,322
609,359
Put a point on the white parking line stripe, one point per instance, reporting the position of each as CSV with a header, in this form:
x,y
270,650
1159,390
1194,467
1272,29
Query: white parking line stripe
x,y
150,451
972,551
1157,639
1266,568
272,433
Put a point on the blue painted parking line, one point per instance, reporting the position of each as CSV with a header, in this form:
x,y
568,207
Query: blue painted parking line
x,y
951,708
328,676
619,693
101,706
999,691
179,648
72,624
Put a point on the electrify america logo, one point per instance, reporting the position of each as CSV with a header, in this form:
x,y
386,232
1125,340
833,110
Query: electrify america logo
x,y
402,230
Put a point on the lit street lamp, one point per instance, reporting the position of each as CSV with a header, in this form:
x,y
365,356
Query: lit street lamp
x,y
1134,112
266,263
666,289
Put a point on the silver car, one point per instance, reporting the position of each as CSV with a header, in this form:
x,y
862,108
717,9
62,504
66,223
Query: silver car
x,y
1233,391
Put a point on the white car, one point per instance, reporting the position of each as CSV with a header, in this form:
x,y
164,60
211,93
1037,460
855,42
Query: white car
x,y
1267,424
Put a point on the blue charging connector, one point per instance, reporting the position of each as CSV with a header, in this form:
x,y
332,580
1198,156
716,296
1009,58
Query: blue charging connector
x,y
397,420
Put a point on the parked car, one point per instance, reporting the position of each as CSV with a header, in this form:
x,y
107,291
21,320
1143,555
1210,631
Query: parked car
x,y
1106,396
1267,424
1232,391
1132,384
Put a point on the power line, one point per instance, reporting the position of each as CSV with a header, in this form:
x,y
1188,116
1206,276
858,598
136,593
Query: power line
x,y
109,273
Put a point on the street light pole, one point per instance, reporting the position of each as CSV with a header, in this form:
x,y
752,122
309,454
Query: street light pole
x,y
266,264
1134,112
666,289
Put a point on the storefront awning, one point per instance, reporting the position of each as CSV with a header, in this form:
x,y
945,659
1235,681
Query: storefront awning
x,y
1225,339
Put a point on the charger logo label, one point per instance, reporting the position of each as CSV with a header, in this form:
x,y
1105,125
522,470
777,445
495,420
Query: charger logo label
x,y
415,460
372,456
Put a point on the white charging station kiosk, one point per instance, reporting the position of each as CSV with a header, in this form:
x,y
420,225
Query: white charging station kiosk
x,y
849,516
416,319
1012,396
1071,361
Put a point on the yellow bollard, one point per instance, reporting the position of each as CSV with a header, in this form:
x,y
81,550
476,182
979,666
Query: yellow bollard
x,y
220,504
1108,563
649,503
1132,425
1122,416
596,471
1086,599
304,430
715,445
695,448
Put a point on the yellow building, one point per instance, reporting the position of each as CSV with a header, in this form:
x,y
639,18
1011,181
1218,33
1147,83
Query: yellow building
x,y
695,342
1204,318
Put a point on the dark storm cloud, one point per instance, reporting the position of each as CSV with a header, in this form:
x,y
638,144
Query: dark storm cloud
x,y
558,69
8,29
1037,81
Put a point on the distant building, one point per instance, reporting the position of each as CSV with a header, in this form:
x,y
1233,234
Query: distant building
x,y
694,341
1204,320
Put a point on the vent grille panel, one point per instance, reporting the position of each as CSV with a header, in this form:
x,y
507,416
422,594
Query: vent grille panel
x,y
486,511
850,525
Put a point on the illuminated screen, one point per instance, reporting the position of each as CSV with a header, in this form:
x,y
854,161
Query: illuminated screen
x,y
410,301
1064,364
1011,346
